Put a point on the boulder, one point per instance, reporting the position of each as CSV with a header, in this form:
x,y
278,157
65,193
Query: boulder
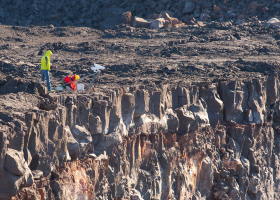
x,y
72,145
15,162
83,137
273,22
189,7
81,134
193,116
157,23
149,124
18,175
140,23
126,18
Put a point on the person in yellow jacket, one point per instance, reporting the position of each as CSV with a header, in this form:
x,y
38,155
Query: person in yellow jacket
x,y
45,68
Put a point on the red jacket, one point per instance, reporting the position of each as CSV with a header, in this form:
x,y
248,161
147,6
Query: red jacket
x,y
71,81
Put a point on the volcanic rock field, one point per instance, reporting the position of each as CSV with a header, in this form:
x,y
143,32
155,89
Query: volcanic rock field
x,y
187,107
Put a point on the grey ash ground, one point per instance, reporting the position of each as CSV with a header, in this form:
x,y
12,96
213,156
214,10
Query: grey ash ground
x,y
135,56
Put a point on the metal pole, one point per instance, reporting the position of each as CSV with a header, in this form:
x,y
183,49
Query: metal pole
x,y
86,76
92,80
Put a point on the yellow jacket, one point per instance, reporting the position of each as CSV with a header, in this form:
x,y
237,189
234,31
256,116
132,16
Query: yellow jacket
x,y
44,64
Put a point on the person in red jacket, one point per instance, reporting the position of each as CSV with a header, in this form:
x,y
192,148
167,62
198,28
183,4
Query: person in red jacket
x,y
71,81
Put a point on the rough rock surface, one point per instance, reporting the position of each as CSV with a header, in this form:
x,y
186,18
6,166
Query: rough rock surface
x,y
169,149
189,112
105,14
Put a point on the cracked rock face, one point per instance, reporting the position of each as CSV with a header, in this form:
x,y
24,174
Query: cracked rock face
x,y
176,146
